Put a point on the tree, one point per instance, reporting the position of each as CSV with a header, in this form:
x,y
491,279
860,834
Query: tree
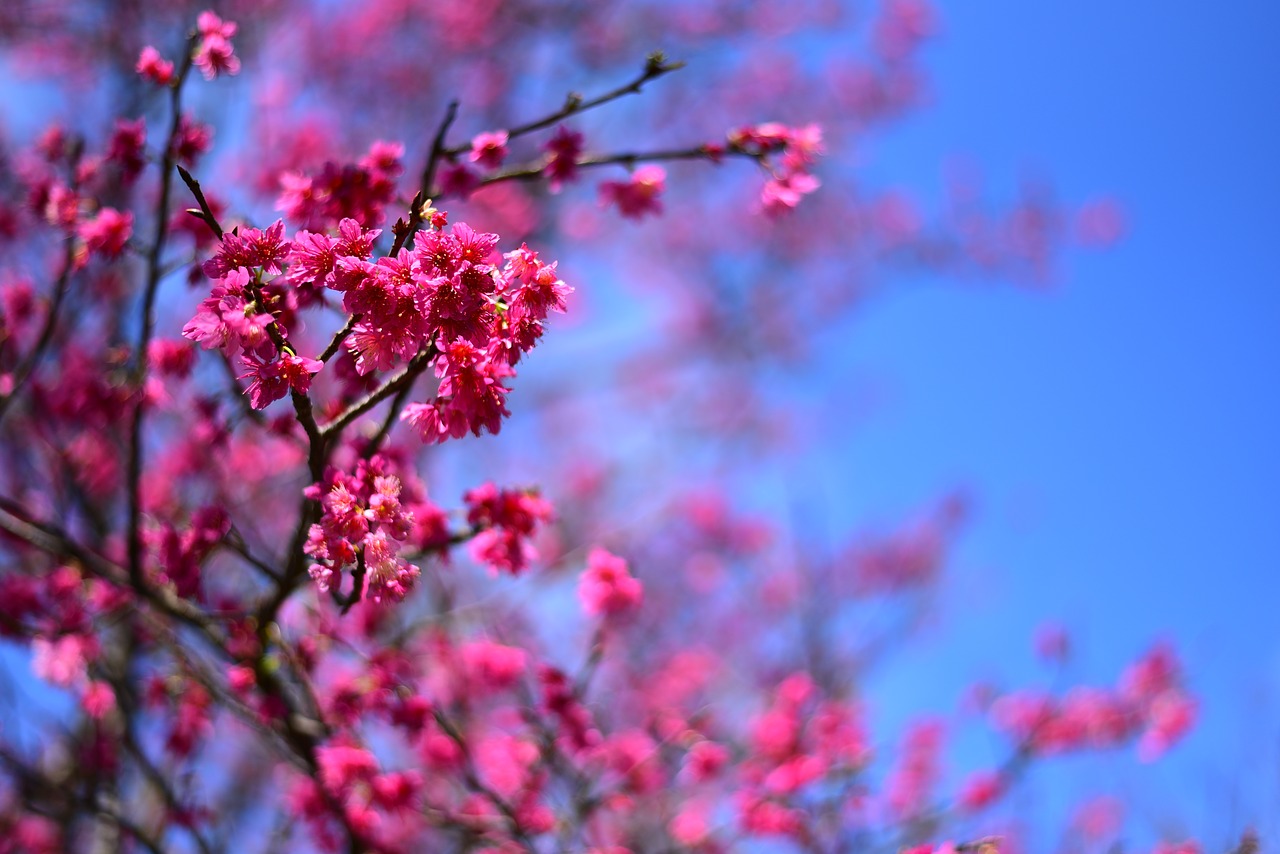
x,y
219,537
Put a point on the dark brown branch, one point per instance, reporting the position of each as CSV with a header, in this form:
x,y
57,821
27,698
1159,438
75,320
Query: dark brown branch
x,y
339,337
158,781
204,212
50,539
628,158
357,583
403,230
29,365
384,430
37,781
655,66
235,542
404,378
147,321
246,409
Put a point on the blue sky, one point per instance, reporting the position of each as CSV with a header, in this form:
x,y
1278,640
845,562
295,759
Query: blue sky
x,y
1119,432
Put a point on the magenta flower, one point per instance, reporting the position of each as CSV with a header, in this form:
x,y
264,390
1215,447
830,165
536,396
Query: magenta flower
x,y
273,380
639,195
458,181
127,147
562,166
489,149
154,67
782,194
215,54
108,232
607,587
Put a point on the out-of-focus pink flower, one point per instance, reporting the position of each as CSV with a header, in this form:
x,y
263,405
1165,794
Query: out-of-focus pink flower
x,y
489,149
215,54
154,67
980,790
562,167
98,700
1171,716
639,195
1100,223
607,587
783,193
108,232
458,181
170,357
1052,642
63,661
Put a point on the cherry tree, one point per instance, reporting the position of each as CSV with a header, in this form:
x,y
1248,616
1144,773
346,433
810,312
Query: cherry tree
x,y
327,552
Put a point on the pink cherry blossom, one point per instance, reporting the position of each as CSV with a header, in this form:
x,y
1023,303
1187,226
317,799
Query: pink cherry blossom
x,y
154,67
607,587
639,195
489,149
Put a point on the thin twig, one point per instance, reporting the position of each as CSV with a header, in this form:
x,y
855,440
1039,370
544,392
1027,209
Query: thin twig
x,y
52,540
628,158
384,430
474,782
29,365
204,212
405,377
234,541
655,66
339,337
403,230
161,785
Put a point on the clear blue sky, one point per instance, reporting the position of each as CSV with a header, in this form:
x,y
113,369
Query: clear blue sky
x,y
1119,433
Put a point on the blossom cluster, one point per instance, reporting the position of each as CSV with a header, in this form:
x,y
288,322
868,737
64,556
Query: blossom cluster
x,y
1150,704
505,520
215,54
239,315
801,739
446,297
482,318
364,524
790,152
359,191
608,588
639,195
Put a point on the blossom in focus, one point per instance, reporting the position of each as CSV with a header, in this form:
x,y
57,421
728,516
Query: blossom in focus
x,y
273,380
